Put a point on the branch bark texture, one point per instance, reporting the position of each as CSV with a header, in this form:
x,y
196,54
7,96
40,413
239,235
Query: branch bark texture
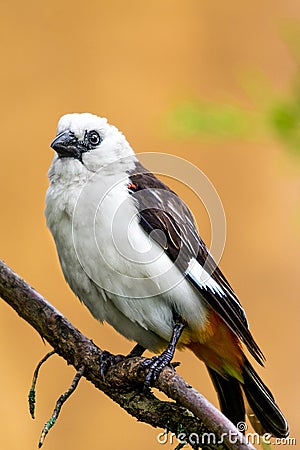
x,y
191,415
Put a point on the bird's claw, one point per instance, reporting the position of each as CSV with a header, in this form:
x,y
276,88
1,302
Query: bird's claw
x,y
154,366
108,360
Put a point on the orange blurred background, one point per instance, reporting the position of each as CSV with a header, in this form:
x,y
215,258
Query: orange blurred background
x,y
132,62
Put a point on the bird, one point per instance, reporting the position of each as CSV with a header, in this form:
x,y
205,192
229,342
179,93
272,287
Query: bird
x,y
130,250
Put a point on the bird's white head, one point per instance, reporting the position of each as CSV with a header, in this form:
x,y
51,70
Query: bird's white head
x,y
87,142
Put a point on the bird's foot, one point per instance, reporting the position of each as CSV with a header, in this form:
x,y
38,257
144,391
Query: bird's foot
x,y
154,366
108,360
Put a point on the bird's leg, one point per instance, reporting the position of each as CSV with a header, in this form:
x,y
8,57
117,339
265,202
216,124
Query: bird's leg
x,y
137,350
108,360
157,363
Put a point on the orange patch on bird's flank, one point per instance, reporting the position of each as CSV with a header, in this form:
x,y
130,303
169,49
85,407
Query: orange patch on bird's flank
x,y
222,350
131,186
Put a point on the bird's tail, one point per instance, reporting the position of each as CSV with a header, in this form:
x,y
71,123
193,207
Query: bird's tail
x,y
262,411
230,396
266,416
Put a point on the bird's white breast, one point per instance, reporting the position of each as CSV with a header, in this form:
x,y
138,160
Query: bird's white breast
x,y
121,275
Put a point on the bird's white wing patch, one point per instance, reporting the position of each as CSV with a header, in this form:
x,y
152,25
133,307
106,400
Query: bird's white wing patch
x,y
202,277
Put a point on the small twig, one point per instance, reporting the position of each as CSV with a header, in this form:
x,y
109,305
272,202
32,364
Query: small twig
x,y
62,399
31,395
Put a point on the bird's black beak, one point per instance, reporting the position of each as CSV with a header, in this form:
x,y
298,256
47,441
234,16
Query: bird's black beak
x,y
66,145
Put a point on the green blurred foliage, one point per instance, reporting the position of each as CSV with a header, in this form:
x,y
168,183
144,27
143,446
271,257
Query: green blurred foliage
x,y
285,120
273,116
211,121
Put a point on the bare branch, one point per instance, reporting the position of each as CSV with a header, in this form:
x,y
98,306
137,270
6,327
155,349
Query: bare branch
x,y
191,415
62,399
31,395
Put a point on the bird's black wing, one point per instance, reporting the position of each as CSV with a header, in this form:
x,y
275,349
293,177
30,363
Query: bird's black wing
x,y
161,210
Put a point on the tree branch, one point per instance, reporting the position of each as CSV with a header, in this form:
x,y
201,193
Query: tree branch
x,y
191,416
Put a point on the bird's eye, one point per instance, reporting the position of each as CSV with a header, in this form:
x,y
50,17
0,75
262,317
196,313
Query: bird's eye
x,y
94,138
